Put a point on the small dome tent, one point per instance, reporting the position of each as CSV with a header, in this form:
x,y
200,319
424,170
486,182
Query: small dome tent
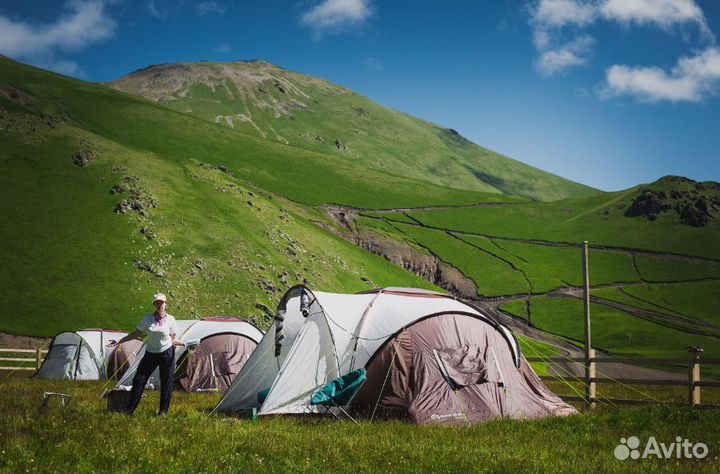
x,y
429,357
222,345
80,355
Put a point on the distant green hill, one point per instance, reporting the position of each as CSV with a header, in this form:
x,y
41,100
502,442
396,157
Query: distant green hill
x,y
291,108
654,262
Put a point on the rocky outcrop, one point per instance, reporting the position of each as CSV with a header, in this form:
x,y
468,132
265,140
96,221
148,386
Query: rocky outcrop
x,y
648,204
695,204
424,265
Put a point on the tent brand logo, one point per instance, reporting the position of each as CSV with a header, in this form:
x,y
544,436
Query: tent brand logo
x,y
435,416
680,449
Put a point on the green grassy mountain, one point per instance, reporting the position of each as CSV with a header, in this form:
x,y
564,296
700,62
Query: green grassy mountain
x,y
106,198
268,101
654,262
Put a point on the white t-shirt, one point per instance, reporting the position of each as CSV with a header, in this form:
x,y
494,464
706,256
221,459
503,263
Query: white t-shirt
x,y
158,337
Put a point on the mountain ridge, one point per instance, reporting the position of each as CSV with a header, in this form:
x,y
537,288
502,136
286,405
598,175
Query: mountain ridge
x,y
312,113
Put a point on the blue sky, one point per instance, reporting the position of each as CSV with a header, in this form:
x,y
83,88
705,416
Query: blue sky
x,y
610,93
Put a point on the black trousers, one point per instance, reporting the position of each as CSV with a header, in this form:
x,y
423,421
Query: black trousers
x,y
150,361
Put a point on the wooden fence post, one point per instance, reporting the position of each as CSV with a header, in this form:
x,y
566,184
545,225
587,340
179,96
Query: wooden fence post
x,y
694,376
38,358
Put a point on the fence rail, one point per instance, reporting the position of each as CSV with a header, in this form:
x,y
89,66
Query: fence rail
x,y
693,382
36,361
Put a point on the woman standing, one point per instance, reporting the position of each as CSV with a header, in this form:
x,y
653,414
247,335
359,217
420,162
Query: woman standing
x,y
161,330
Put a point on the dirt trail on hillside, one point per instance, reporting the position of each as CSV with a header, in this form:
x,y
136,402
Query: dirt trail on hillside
x,y
396,210
610,248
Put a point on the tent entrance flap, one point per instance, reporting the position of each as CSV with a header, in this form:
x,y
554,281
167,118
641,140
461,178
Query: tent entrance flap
x,y
311,363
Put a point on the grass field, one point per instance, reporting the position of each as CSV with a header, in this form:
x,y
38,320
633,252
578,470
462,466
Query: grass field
x,y
598,219
83,437
697,300
655,269
218,247
613,331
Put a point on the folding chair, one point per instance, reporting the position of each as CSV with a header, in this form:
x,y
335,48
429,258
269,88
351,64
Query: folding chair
x,y
340,392
63,397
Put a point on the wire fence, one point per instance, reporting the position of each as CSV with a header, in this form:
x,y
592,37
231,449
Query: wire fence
x,y
592,377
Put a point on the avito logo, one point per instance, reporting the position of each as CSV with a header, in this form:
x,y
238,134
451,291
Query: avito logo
x,y
680,449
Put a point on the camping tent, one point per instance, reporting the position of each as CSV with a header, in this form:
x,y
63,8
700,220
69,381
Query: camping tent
x,y
428,356
81,355
222,345
122,357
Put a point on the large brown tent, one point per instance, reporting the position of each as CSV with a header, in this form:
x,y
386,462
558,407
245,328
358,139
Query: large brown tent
x,y
429,357
215,362
122,357
453,366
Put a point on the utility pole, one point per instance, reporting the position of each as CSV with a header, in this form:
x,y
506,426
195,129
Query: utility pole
x,y
590,386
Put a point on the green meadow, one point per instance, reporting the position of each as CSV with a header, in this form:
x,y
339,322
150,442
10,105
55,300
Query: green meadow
x,y
83,437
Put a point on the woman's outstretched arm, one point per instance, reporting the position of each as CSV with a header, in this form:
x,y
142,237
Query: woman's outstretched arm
x,y
137,334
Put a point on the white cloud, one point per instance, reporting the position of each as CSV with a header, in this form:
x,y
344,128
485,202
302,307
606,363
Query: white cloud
x,y
691,80
664,13
572,54
557,13
162,9
547,14
557,27
333,16
206,8
83,23
557,50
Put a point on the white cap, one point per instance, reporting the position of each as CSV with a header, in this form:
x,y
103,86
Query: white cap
x,y
159,296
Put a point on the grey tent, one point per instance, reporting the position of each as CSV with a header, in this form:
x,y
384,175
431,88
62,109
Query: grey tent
x,y
429,357
221,345
80,355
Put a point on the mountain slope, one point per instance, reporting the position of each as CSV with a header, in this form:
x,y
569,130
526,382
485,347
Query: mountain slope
x,y
105,199
291,108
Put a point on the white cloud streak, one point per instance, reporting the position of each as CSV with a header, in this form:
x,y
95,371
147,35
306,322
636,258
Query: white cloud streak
x,y
335,16
163,9
558,13
691,80
663,13
83,23
549,14
207,8
572,54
